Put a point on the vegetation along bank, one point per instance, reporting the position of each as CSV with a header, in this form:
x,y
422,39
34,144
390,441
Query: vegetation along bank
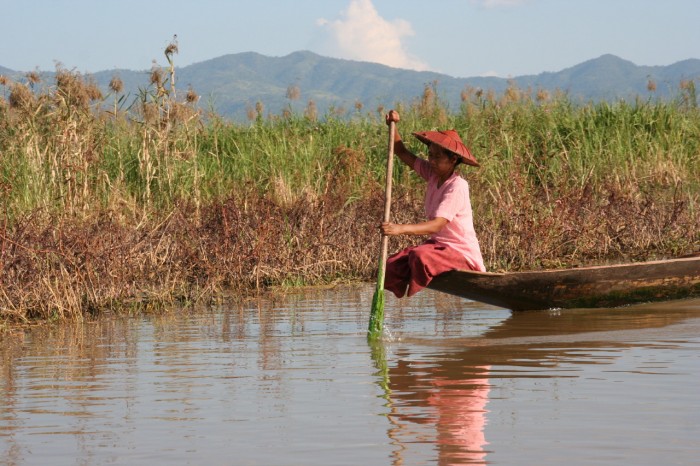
x,y
116,206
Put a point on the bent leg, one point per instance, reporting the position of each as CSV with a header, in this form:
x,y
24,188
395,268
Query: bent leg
x,y
429,260
398,273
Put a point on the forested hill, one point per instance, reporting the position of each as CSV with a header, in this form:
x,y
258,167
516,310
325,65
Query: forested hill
x,y
231,84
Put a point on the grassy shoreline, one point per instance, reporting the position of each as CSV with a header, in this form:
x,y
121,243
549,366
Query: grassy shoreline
x,y
107,208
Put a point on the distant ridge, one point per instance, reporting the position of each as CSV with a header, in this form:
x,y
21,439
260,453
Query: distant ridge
x,y
233,83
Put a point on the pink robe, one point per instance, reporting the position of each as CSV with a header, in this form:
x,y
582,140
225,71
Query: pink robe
x,y
453,247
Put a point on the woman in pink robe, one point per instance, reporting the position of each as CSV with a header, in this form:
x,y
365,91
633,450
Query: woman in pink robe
x,y
452,242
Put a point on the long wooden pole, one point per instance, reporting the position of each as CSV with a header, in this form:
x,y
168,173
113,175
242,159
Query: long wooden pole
x,y
376,318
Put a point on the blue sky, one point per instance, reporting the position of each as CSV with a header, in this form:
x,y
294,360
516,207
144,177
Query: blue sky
x,y
461,38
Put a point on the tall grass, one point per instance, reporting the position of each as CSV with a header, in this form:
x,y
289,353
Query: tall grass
x,y
105,201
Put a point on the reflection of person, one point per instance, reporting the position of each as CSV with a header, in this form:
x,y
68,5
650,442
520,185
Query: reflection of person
x,y
444,405
461,411
452,243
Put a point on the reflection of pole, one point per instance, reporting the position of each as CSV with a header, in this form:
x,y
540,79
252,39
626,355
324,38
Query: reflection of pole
x,y
379,357
378,351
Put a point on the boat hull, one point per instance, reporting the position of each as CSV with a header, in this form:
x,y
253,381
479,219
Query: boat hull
x,y
585,287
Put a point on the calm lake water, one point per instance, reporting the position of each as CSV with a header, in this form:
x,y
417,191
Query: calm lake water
x,y
292,380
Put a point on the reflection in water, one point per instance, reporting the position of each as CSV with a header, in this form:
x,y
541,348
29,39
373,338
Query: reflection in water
x,y
441,398
289,380
430,406
196,387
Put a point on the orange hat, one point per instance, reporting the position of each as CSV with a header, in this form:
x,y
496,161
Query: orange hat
x,y
449,140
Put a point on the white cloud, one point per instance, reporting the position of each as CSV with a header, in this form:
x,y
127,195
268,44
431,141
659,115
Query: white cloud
x,y
490,74
361,34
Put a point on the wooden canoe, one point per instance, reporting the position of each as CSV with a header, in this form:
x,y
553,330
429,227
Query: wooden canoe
x,y
584,287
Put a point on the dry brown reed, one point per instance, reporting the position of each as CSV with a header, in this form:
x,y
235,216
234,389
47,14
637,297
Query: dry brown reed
x,y
116,85
293,92
58,270
615,222
311,111
21,97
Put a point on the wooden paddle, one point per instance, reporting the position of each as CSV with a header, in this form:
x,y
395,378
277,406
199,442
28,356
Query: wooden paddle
x,y
376,317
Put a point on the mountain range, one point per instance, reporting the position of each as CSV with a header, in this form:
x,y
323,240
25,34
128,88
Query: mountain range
x,y
232,84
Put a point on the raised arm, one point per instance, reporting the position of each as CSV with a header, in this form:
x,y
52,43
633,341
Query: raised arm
x,y
400,149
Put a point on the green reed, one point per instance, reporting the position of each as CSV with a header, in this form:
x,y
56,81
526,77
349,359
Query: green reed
x,y
183,203
67,154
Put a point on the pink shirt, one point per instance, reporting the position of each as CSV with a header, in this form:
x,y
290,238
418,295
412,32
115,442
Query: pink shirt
x,y
451,202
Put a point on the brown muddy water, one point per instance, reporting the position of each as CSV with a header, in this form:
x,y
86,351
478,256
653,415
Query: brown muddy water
x,y
292,380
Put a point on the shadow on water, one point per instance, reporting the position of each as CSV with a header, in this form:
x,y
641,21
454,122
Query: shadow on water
x,y
438,394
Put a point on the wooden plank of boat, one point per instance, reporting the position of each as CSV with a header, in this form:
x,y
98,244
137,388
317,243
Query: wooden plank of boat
x,y
584,287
